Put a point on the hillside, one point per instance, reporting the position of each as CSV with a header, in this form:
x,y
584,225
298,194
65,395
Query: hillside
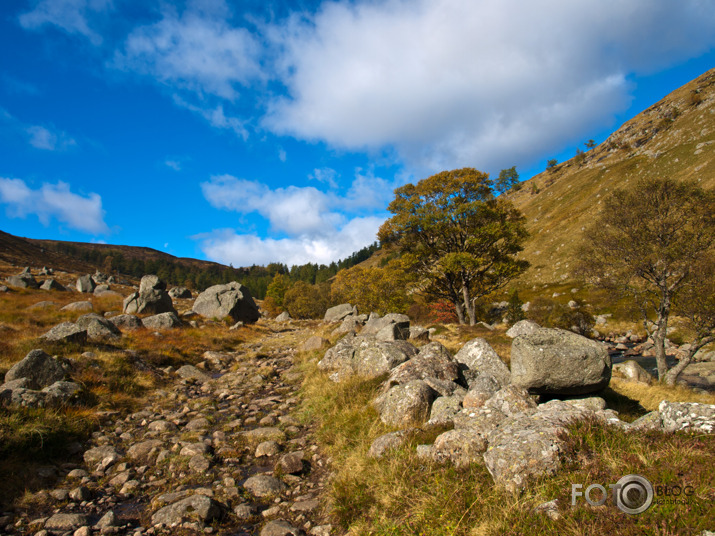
x,y
675,137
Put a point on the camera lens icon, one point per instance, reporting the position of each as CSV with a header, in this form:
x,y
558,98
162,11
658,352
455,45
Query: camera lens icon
x,y
634,494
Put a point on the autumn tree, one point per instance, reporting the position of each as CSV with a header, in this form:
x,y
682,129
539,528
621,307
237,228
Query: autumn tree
x,y
304,300
648,243
460,239
383,289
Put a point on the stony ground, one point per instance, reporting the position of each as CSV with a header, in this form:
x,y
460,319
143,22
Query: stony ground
x,y
218,451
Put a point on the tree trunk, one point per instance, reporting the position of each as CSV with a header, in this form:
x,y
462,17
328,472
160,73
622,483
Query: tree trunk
x,y
468,305
459,308
672,375
660,359
659,335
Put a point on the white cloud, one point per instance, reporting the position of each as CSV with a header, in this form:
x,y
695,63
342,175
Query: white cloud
x,y
72,16
325,175
292,210
43,138
448,83
53,201
173,164
228,247
197,51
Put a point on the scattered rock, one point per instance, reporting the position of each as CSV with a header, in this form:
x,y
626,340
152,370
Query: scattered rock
x,y
51,284
167,320
280,527
180,293
98,327
405,405
78,307
38,368
126,322
264,486
522,327
480,358
152,298
194,508
283,317
337,313
632,371
63,522
383,444
66,332
86,284
689,416
24,280
314,343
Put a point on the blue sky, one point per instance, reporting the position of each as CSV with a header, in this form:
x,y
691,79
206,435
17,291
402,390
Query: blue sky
x,y
254,131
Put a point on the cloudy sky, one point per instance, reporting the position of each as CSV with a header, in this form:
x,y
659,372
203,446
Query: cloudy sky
x,y
254,131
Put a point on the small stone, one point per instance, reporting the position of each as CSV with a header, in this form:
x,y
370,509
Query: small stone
x,y
243,511
279,527
267,448
263,485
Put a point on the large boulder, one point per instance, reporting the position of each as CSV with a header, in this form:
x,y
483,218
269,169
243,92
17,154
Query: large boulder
x,y
24,280
689,416
559,362
85,283
530,444
632,371
337,313
66,332
51,284
162,321
477,358
152,298
126,322
390,327
459,447
522,327
39,368
230,300
432,361
365,357
98,327
181,293
405,405
78,307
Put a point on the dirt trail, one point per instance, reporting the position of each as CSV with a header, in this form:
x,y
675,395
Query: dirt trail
x,y
217,451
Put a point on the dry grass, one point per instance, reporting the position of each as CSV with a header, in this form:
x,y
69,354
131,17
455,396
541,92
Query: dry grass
x,y
650,396
404,495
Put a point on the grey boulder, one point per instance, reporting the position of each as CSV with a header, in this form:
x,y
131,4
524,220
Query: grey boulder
x,y
181,293
98,327
66,332
337,313
38,368
478,357
195,508
559,362
152,298
51,284
85,283
24,280
230,300
162,321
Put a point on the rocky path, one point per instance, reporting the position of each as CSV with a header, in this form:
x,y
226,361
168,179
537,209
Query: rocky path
x,y
218,451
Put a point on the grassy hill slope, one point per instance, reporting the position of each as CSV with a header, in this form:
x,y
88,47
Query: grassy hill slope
x,y
673,138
